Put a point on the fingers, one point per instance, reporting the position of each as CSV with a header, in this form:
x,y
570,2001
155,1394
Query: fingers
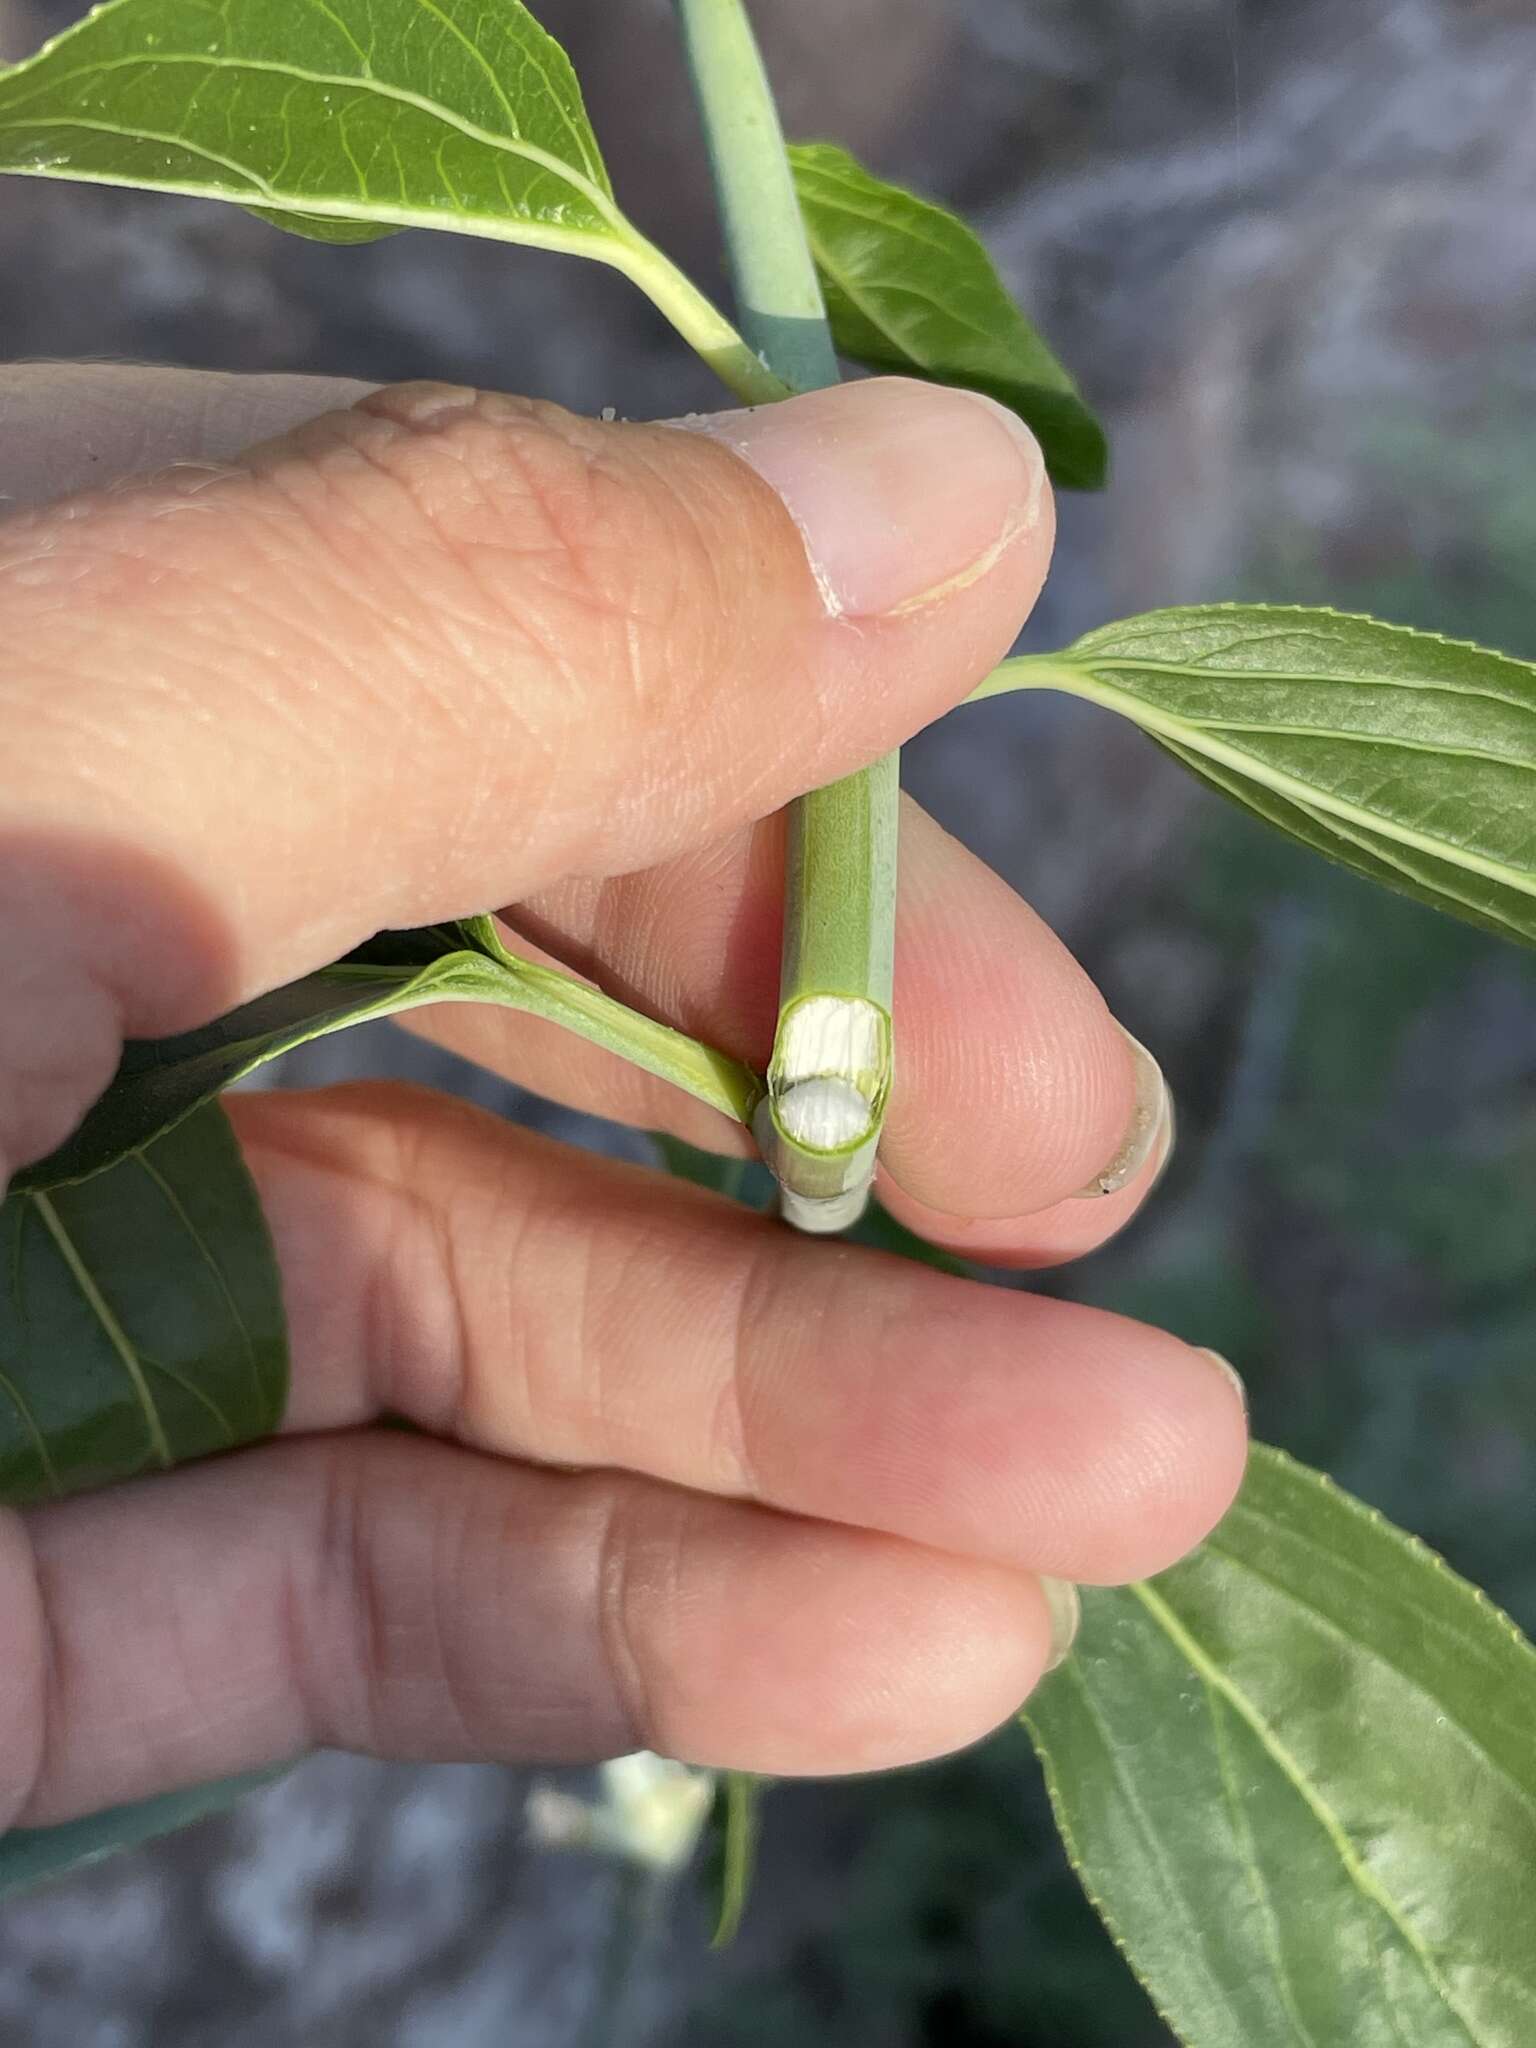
x,y
1014,1087
548,1305
67,427
1052,1236
391,1595
431,653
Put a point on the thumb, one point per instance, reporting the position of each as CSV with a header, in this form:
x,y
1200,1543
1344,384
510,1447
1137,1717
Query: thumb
x,y
428,654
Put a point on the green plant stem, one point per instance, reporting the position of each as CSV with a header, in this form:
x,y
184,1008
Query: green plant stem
x,y
701,324
831,1072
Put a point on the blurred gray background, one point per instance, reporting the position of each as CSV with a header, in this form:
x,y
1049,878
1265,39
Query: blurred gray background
x,y
1289,248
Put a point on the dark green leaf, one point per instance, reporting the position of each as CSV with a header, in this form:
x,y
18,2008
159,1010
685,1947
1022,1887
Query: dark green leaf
x,y
1297,1775
911,290
162,1080
746,1181
1405,756
141,1317
879,1229
31,1856
326,114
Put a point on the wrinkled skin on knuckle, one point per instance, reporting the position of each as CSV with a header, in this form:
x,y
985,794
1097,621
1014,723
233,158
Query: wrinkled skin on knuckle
x,y
574,585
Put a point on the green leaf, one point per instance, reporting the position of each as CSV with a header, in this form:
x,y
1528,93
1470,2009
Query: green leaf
x,y
141,1317
738,1821
911,290
159,1081
746,1181
33,1856
345,119
388,112
1297,1776
1397,753
878,1229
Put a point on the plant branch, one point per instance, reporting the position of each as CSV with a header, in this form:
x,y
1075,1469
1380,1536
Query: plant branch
x,y
831,1071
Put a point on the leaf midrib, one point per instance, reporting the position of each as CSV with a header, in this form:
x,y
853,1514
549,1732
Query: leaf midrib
x,y
1258,1883
859,296
1291,731
1381,848
516,146
1449,686
1363,1879
112,1329
1305,795
1522,1793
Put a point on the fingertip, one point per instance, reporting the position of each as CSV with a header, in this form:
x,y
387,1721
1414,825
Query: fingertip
x,y
1168,1482
904,493
810,1651
1015,1086
1055,1235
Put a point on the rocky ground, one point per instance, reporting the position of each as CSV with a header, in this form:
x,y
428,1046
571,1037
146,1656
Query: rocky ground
x,y
1290,249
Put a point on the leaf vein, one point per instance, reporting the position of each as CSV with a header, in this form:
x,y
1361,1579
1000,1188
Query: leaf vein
x,y
112,1329
1358,1872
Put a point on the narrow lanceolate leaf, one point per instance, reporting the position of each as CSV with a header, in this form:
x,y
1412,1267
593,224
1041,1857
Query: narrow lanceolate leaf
x,y
738,1821
141,1318
343,119
1408,757
163,1080
1297,1775
33,1856
911,290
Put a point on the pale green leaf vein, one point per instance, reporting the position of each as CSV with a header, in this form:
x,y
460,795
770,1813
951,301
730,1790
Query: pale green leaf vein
x,y
1252,794
1272,728
339,24
1095,658
480,58
112,1329
1305,795
29,1423
1258,1884
1289,1590
76,123
194,1393
219,1277
862,295
1136,1806
1393,857
377,88
1355,1869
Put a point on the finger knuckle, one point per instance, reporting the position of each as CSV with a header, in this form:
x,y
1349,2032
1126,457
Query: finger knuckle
x,y
640,1558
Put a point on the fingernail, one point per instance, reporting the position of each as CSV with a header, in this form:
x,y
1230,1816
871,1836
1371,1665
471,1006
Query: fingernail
x,y
1066,1612
1150,1120
903,492
1228,1371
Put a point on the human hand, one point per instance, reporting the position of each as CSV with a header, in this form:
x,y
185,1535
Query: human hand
x,y
696,1484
